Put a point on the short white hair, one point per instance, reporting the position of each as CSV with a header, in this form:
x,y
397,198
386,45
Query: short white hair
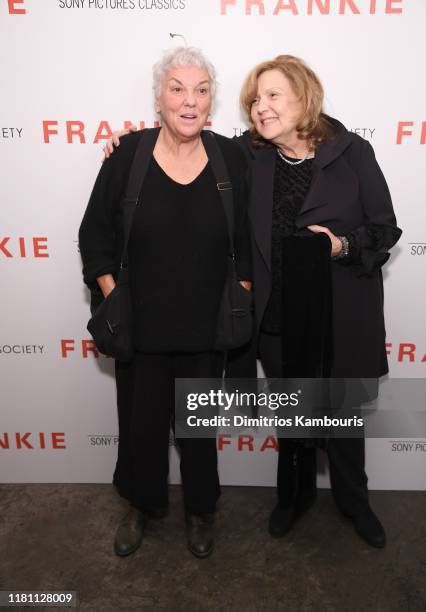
x,y
182,56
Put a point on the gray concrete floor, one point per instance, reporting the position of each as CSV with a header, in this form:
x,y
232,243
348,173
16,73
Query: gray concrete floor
x,y
56,537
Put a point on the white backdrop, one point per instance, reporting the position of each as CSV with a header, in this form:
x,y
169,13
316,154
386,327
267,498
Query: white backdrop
x,y
72,69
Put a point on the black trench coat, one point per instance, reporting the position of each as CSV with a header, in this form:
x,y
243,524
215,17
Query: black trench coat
x,y
348,193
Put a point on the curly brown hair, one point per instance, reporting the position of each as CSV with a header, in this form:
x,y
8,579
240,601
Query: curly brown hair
x,y
313,125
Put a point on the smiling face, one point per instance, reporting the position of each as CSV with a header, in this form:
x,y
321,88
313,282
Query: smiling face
x,y
185,101
276,110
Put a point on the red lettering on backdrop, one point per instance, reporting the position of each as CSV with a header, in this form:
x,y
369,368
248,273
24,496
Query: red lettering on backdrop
x,y
66,346
58,439
12,8
3,247
322,5
47,130
224,4
406,349
401,131
104,125
42,441
290,5
423,134
245,441
389,8
269,442
75,128
223,440
388,348
89,346
39,246
22,247
351,4
128,125
257,3
4,442
22,440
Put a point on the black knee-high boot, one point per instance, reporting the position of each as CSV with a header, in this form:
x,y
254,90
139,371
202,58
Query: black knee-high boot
x,y
297,474
296,484
307,477
287,475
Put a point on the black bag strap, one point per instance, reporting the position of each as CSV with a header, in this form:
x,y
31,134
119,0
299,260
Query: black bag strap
x,y
140,164
223,182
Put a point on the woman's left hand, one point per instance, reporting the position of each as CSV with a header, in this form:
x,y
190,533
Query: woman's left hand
x,y
336,245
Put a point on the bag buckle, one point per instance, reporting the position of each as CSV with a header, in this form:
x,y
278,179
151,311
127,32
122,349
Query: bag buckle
x,y
224,186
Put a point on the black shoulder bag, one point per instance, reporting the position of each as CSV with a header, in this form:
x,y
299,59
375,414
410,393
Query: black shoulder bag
x,y
234,326
111,325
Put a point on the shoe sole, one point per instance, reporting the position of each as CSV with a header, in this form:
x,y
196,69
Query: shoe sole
x,y
129,552
277,536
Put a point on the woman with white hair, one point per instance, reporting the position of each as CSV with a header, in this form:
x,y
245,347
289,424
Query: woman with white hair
x,y
177,250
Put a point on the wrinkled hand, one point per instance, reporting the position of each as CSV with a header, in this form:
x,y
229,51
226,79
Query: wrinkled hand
x,y
246,284
114,141
336,245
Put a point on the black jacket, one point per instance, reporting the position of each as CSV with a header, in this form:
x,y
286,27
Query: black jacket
x,y
348,193
100,234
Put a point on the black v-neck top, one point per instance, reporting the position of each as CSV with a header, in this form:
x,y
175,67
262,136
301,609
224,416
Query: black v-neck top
x,y
177,262
178,247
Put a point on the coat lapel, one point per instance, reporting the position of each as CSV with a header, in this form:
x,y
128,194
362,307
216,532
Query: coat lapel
x,y
327,152
316,195
262,194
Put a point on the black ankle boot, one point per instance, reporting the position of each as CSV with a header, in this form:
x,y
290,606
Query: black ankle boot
x,y
281,520
199,533
129,534
369,528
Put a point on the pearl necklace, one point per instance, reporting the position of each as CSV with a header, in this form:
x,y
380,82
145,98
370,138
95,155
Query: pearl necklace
x,y
292,163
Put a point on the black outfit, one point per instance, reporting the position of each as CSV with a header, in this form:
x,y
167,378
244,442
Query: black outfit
x,y
291,184
145,399
297,463
348,194
177,250
175,245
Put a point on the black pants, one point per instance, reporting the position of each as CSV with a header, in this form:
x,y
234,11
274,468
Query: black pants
x,y
145,399
296,478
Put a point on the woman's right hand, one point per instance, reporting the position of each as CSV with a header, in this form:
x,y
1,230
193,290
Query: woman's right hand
x,y
106,284
114,141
